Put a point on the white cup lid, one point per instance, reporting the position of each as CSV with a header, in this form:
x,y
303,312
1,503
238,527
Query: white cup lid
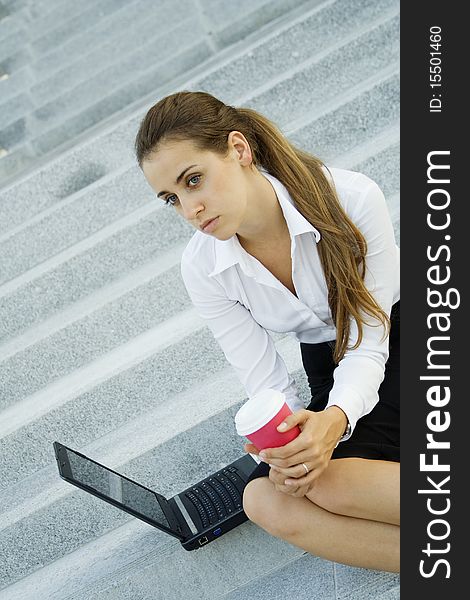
x,y
258,410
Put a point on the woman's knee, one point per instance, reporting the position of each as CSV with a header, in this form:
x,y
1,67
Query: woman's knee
x,y
266,507
330,493
323,495
254,498
334,490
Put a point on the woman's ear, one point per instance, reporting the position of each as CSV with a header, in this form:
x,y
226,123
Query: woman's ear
x,y
242,151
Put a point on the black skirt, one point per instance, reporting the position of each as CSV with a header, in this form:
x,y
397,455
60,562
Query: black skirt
x,y
377,434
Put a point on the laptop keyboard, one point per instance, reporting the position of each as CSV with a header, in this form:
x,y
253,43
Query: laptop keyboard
x,y
217,496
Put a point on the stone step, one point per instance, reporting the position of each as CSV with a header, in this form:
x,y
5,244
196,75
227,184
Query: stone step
x,y
98,36
87,211
16,61
67,104
74,25
75,121
228,23
25,127
12,24
15,162
40,9
132,378
323,29
71,275
154,444
96,152
16,83
11,7
135,74
85,572
11,113
114,393
62,58
68,57
48,16
4,13
81,57
83,331
102,391
301,25
30,23
60,66
12,36
331,75
306,577
15,134
72,220
71,171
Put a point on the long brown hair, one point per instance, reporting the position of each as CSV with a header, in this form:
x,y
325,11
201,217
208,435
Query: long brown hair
x,y
207,122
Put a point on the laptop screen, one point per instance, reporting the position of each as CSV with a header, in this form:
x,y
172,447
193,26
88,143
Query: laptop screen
x,y
110,485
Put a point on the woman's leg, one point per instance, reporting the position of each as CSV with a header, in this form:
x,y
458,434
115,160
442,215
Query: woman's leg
x,y
358,487
348,540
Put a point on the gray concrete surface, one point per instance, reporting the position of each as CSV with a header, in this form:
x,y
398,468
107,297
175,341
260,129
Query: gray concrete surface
x,y
99,345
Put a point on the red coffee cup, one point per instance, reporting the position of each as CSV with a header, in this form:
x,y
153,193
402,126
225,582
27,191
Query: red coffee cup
x,y
259,417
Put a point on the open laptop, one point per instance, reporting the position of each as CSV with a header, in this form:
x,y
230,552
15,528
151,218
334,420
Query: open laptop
x,y
196,516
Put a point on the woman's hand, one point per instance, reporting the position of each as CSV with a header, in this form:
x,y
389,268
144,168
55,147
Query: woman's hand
x,y
320,432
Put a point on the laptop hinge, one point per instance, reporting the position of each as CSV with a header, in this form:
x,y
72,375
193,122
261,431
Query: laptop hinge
x,y
187,525
185,514
172,518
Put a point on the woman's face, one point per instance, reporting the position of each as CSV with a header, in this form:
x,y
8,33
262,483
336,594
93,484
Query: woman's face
x,y
208,190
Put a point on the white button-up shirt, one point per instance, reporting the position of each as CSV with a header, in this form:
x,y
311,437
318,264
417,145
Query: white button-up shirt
x,y
240,299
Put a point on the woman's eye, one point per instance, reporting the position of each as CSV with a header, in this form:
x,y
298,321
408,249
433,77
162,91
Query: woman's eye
x,y
172,199
194,180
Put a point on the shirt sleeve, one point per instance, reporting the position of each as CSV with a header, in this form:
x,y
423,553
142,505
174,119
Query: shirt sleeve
x,y
359,374
247,346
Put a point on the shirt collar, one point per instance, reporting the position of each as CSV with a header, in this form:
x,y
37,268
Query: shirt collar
x,y
296,222
227,254
230,252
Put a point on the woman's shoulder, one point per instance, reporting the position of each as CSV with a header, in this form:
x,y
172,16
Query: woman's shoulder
x,y
349,181
199,245
355,190
199,253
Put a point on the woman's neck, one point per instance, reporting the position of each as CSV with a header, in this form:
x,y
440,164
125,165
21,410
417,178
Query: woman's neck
x,y
264,224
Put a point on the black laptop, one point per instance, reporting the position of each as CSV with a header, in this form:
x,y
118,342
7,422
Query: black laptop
x,y
199,515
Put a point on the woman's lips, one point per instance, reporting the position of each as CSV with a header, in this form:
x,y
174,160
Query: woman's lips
x,y
209,228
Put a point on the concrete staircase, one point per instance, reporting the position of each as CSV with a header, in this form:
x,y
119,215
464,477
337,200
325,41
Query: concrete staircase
x,y
99,345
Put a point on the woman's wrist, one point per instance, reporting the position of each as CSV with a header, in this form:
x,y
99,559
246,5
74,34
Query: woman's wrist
x,y
340,420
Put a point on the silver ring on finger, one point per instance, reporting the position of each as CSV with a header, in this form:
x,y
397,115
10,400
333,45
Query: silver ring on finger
x,y
307,470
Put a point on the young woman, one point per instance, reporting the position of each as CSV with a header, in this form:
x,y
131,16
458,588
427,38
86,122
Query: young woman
x,y
285,244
